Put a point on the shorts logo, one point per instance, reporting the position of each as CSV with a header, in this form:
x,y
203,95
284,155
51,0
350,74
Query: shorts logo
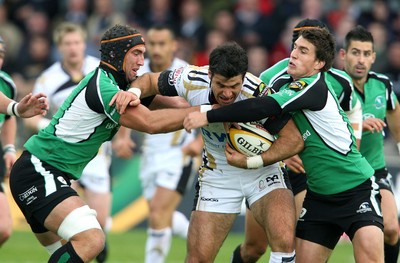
x,y
364,208
62,180
205,199
273,179
261,185
302,213
27,195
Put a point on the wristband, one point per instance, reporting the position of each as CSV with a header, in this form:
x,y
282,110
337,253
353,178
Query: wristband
x,y
9,148
135,91
255,162
398,146
12,109
205,108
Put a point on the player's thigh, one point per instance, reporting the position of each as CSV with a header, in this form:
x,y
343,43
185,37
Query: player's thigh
x,y
101,202
165,199
275,212
389,212
310,252
5,215
60,212
299,200
207,231
368,244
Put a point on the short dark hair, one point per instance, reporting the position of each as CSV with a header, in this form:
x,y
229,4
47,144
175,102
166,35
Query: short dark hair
x,y
324,45
228,60
306,23
359,33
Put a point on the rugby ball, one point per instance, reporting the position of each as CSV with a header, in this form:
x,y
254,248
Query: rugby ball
x,y
251,139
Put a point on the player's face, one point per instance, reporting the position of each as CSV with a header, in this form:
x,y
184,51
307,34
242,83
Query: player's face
x,y
303,61
133,60
161,48
358,59
72,48
226,90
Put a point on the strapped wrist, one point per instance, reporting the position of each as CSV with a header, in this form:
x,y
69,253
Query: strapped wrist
x,y
255,162
12,109
9,148
205,108
135,91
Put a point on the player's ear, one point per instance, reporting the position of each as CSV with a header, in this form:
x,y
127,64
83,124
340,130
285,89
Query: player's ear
x,y
319,64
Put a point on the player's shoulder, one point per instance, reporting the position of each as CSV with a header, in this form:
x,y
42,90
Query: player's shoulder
x,y
275,71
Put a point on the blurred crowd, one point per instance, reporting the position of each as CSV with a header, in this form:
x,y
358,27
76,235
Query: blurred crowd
x,y
262,27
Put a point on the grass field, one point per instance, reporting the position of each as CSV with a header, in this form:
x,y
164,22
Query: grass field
x,y
129,248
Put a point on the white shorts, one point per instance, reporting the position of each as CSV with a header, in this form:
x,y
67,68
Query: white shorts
x,y
169,170
223,192
96,175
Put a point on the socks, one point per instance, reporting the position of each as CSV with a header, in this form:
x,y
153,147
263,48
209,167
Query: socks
x,y
157,245
391,253
65,254
236,256
53,247
279,257
180,225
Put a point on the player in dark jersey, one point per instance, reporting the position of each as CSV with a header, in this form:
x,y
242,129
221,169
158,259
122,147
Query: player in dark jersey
x,y
40,179
379,103
255,244
342,195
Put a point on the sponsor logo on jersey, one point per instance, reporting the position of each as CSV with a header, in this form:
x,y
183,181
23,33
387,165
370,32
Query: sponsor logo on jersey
x,y
174,76
364,208
306,135
263,90
298,85
368,115
209,199
379,102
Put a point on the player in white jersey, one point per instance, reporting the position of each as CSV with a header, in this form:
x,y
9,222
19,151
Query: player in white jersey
x,y
57,82
221,187
165,168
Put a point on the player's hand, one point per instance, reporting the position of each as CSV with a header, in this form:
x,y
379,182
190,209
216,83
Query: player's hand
x,y
373,125
235,158
295,164
32,105
123,99
195,120
9,160
123,147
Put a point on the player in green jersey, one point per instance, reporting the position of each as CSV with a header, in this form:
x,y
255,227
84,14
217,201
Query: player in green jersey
x,y
8,124
255,244
342,195
379,102
40,179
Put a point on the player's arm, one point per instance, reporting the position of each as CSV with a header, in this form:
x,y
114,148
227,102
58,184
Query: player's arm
x,y
242,111
392,118
355,118
29,106
8,133
142,119
289,143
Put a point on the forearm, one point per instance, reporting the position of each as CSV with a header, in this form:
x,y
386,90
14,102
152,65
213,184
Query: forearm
x,y
158,121
147,83
246,110
8,131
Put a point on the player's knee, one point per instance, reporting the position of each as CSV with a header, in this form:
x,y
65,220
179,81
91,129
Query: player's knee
x,y
5,234
78,221
391,233
252,252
